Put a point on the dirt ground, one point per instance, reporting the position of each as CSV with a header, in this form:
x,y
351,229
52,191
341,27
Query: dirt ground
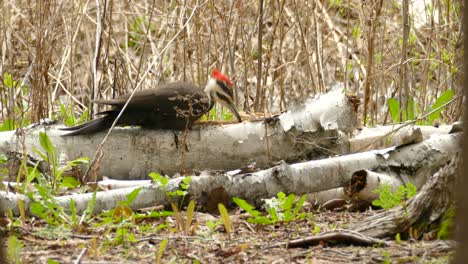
x,y
248,243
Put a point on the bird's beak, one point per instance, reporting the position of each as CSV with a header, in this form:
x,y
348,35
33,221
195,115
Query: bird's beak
x,y
233,109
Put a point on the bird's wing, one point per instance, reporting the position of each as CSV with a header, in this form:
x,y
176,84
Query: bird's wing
x,y
161,98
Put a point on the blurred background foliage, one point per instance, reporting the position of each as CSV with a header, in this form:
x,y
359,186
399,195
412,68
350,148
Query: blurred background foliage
x,y
398,57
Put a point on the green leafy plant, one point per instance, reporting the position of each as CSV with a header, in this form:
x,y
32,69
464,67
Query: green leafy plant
x,y
121,213
413,109
137,31
162,181
285,208
48,209
398,238
316,230
226,220
68,115
356,32
162,247
183,188
88,212
123,235
257,217
8,125
3,170
226,115
50,155
180,219
14,249
446,226
121,220
9,82
442,99
408,114
388,199
10,87
386,256
212,225
189,216
154,214
280,209
14,221
394,108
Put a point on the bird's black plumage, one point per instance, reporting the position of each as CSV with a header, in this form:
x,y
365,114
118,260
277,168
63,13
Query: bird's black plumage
x,y
173,106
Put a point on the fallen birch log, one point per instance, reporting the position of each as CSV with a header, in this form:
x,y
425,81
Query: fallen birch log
x,y
319,198
311,131
300,178
371,138
105,200
112,184
425,208
363,183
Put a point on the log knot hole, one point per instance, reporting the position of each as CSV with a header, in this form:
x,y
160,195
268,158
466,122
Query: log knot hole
x,y
357,182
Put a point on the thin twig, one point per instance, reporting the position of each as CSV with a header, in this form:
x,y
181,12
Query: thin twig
x,y
305,47
68,52
404,93
259,94
78,260
372,23
339,236
97,52
318,51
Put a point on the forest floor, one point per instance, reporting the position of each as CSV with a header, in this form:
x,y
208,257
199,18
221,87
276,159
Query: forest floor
x,y
140,242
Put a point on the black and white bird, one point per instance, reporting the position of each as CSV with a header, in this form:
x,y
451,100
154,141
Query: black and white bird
x,y
174,106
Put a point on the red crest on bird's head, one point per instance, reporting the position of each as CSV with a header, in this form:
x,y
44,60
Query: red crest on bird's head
x,y
221,77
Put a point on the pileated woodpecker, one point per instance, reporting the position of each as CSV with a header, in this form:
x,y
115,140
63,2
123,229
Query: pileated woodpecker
x,y
173,106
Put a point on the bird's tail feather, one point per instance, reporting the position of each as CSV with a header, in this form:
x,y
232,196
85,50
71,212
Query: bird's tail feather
x,y
90,127
81,126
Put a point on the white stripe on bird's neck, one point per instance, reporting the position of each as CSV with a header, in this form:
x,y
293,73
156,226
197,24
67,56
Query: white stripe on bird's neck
x,y
210,89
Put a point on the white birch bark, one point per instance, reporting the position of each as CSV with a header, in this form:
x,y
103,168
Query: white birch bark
x,y
425,208
369,138
311,131
370,182
300,178
319,198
